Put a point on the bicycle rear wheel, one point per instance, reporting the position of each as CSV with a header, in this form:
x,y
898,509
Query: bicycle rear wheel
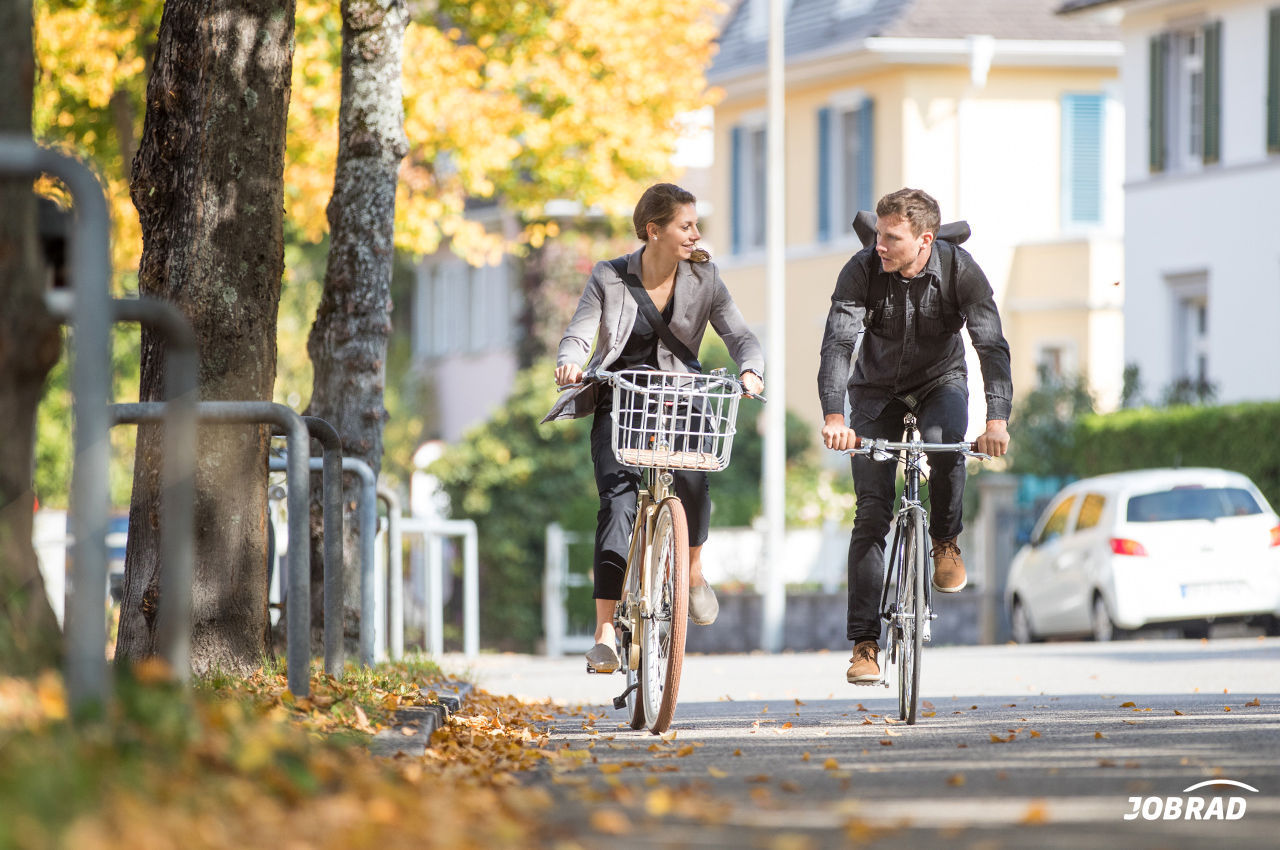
x,y
667,585
623,620
912,612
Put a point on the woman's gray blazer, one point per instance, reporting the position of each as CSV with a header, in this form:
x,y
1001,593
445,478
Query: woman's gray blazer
x,y
607,312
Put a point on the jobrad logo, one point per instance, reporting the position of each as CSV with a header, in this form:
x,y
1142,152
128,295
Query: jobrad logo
x,y
1191,808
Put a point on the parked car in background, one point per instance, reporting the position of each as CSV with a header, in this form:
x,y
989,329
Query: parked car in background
x,y
1179,547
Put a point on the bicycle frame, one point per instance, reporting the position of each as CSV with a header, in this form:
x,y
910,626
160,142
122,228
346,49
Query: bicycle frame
x,y
636,595
910,513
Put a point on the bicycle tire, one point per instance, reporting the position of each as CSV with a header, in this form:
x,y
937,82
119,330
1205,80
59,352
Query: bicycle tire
x,y
915,621
662,656
902,633
631,642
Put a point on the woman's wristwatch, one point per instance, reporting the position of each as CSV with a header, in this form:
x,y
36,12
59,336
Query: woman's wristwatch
x,y
752,372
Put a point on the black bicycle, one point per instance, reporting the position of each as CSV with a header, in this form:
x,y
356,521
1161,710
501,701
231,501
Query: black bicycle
x,y
909,563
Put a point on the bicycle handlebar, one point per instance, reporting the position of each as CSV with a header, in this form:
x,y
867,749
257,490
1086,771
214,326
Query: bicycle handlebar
x,y
863,446
601,376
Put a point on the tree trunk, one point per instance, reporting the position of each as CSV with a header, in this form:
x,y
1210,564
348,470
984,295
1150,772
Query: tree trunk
x,y
208,182
30,344
348,342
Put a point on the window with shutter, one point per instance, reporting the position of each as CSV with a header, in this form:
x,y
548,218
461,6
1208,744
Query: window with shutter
x,y
1157,97
748,167
735,188
850,159
1082,140
866,129
1273,82
824,174
1212,106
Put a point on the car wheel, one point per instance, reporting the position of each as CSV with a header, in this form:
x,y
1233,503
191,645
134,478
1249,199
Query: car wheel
x,y
1195,631
1020,624
1104,630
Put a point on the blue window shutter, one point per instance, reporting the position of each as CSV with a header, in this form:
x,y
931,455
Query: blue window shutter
x,y
824,174
735,189
866,154
1082,125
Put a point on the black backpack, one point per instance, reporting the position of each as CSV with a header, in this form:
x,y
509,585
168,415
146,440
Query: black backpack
x,y
864,225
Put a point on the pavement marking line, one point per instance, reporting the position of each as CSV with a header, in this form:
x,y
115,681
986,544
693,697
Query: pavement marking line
x,y
957,812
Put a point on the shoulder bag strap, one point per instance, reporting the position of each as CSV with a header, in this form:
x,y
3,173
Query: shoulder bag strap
x,y
877,292
646,305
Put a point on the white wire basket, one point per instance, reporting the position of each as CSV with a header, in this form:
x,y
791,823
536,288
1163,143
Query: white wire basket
x,y
674,420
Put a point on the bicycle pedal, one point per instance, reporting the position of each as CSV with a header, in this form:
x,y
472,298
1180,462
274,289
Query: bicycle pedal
x,y
594,671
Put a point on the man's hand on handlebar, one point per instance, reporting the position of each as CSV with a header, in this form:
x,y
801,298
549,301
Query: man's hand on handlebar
x,y
753,383
836,435
995,441
568,374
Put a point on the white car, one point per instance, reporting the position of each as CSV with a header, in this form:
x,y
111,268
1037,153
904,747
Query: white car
x,y
1180,547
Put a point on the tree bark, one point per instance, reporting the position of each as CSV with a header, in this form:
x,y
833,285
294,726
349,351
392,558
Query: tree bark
x,y
348,341
30,344
208,182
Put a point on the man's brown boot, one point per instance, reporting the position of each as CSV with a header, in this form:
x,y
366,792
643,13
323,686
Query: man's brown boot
x,y
864,670
948,567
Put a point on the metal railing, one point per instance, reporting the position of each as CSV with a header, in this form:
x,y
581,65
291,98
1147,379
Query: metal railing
x,y
556,581
84,660
368,512
394,618
433,531
298,614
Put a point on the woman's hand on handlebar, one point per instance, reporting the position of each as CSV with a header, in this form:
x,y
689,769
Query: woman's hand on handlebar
x,y
836,435
753,383
568,374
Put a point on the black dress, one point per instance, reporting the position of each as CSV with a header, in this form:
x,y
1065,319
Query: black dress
x,y
619,485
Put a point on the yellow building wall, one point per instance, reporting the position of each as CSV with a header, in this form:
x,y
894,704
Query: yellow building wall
x,y
990,155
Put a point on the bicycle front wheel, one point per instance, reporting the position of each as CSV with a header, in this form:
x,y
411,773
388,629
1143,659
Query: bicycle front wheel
x,y
911,611
667,585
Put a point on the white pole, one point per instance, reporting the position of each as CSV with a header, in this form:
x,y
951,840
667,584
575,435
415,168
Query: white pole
x,y
471,590
552,609
435,593
775,459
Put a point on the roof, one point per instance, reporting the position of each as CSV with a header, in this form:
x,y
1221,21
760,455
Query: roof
x,y
1121,481
1080,5
820,26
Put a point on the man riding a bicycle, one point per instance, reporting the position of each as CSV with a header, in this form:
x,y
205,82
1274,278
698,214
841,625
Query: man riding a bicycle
x,y
912,293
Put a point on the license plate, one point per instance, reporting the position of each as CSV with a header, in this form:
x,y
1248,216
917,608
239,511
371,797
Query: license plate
x,y
1214,588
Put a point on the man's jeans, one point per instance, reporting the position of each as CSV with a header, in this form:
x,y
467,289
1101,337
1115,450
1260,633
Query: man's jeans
x,y
942,416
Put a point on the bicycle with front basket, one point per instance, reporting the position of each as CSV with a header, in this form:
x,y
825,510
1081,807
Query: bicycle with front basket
x,y
909,614
662,421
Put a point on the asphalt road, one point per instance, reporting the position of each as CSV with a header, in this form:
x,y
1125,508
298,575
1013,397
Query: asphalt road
x,y
779,752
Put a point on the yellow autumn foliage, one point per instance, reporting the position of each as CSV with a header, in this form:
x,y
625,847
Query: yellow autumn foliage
x,y
508,100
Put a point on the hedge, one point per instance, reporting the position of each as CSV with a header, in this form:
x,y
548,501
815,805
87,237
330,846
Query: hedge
x,y
1242,437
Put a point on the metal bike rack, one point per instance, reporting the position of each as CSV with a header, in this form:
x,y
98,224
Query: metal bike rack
x,y
177,501
334,557
368,507
298,622
433,532
85,662
395,569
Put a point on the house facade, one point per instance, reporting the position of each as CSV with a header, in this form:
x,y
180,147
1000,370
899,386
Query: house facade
x,y
1007,113
1202,191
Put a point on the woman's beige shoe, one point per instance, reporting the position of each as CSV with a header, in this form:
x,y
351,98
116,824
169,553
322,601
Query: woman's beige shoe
x,y
703,605
602,658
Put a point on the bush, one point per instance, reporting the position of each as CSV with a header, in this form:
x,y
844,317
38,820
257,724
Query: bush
x,y
1239,437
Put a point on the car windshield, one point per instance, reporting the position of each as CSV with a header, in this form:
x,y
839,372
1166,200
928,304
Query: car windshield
x,y
1183,503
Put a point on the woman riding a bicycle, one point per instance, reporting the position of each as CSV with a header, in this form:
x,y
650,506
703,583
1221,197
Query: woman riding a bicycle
x,y
685,287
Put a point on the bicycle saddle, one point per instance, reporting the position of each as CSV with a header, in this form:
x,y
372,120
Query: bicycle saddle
x,y
864,224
